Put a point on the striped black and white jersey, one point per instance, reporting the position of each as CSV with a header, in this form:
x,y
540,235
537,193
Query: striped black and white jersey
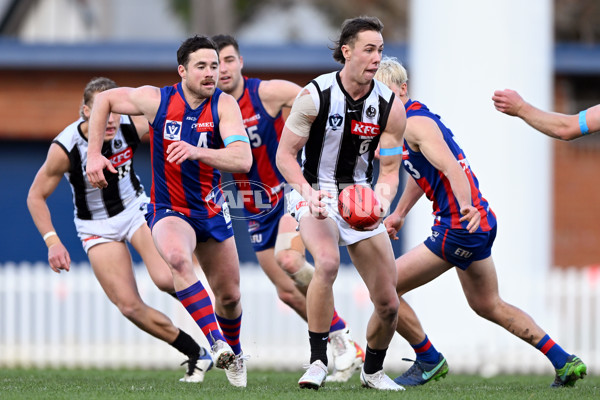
x,y
345,134
123,187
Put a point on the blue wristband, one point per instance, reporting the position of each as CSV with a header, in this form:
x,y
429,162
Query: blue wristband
x,y
394,151
235,138
582,123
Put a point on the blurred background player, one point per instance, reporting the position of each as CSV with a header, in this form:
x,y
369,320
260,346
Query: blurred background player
x,y
196,131
346,114
273,235
462,237
106,218
555,125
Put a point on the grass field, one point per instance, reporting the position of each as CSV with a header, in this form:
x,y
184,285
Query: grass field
x,y
137,384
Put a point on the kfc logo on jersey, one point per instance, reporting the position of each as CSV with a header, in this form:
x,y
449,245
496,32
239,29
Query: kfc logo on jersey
x,y
172,130
364,129
122,157
335,121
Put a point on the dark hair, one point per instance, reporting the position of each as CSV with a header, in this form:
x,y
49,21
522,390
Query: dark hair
x,y
223,41
192,44
96,85
350,30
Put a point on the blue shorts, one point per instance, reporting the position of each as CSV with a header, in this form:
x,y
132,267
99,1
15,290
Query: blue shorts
x,y
263,229
459,247
216,227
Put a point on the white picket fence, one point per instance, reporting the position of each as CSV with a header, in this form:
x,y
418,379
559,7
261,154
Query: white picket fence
x,y
52,320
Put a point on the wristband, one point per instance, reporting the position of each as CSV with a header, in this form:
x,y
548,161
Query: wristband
x,y
583,123
49,234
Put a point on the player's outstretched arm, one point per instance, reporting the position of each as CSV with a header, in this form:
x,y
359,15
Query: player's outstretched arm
x,y
144,100
555,125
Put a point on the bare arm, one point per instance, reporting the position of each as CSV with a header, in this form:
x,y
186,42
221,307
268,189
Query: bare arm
x,y
555,125
45,182
411,194
389,166
144,101
423,134
276,94
294,136
235,157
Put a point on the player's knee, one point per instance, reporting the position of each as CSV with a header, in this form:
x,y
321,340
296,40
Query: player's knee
x,y
326,268
484,308
132,310
177,260
290,297
387,308
228,299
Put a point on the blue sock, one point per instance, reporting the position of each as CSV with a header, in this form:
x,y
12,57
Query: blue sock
x,y
426,352
555,353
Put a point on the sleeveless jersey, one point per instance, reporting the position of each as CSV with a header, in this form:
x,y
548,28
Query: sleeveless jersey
x,y
92,203
345,134
436,185
191,188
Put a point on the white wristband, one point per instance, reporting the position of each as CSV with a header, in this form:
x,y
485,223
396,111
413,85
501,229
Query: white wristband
x,y
49,234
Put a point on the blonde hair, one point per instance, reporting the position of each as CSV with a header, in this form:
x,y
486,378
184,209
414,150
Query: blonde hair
x,y
391,72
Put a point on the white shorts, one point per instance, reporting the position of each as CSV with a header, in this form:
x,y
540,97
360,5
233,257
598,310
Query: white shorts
x,y
298,208
119,228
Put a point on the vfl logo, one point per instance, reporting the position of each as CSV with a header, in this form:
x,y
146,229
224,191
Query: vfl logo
x,y
253,226
118,143
371,112
172,130
335,121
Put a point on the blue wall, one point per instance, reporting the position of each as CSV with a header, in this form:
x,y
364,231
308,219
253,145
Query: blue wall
x,y
19,238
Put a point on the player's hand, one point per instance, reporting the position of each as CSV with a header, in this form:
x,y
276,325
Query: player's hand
x,y
508,101
318,208
58,258
393,223
95,170
471,214
178,152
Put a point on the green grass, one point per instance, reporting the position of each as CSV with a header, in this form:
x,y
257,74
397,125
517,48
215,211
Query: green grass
x,y
137,384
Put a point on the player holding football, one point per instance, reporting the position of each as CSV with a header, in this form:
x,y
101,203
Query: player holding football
x,y
337,121
273,234
462,237
106,218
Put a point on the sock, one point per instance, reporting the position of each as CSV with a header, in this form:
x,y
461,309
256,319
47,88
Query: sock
x,y
555,353
197,302
185,344
318,346
337,323
374,360
426,352
231,331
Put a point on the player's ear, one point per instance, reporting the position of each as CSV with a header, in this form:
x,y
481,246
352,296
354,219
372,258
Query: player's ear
x,y
241,62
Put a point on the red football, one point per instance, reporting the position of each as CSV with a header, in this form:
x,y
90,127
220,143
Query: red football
x,y
359,206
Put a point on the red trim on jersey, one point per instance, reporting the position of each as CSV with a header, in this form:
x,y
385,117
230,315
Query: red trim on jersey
x,y
452,204
207,173
175,112
415,106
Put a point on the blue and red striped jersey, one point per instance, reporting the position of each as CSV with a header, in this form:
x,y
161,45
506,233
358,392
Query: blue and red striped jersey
x,y
192,188
264,132
435,184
